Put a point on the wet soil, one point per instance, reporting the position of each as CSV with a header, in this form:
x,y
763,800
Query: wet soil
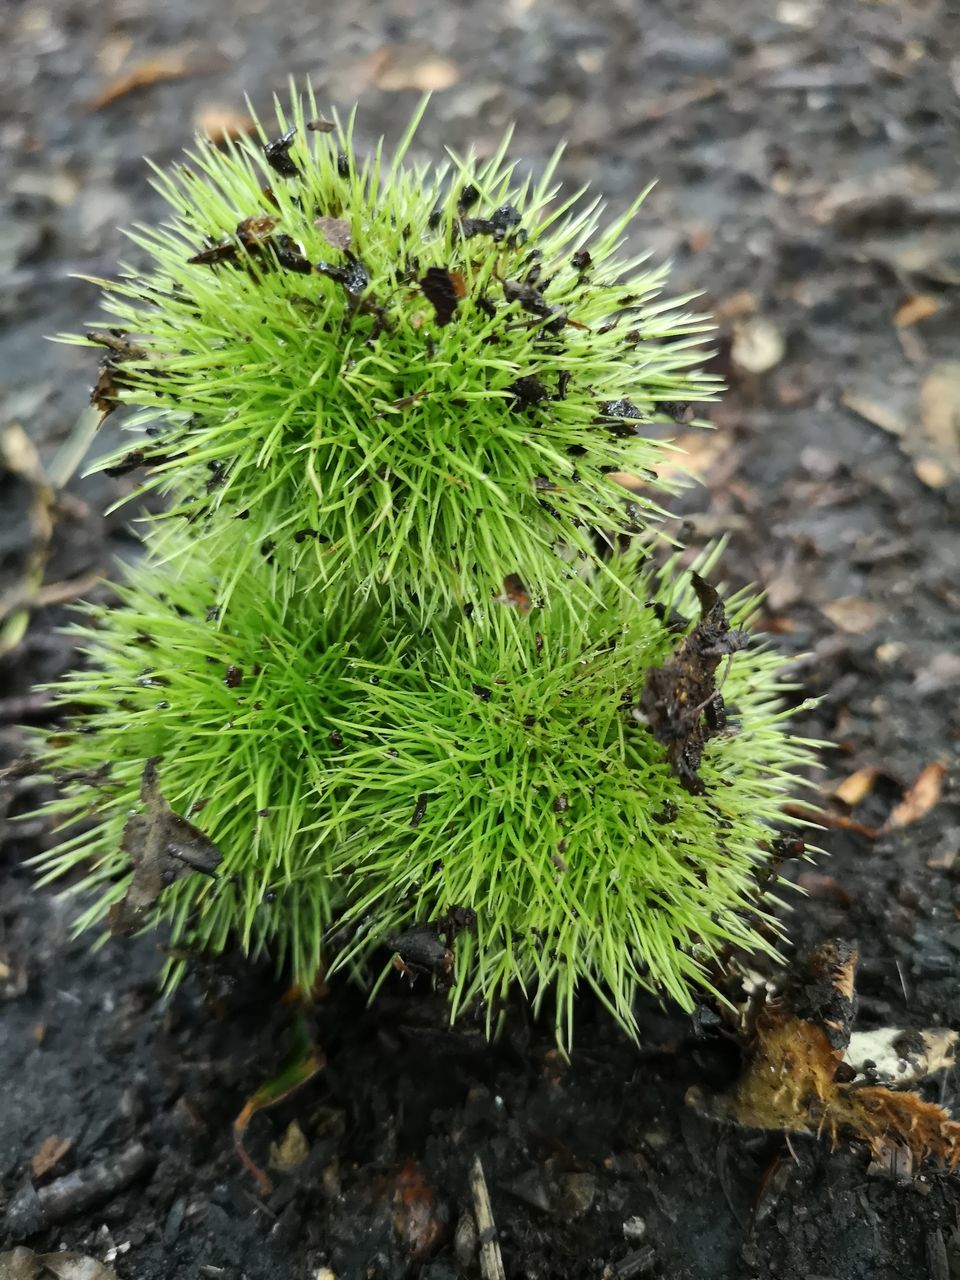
x,y
809,184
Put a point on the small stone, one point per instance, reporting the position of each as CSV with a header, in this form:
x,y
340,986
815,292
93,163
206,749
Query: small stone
x,y
634,1229
684,51
25,1215
579,1191
174,1222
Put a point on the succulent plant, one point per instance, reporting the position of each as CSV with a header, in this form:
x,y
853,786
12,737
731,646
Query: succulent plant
x,y
389,677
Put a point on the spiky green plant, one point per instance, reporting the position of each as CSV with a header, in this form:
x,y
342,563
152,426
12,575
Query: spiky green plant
x,y
422,377
405,700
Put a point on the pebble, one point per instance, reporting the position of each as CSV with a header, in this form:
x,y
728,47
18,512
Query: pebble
x,y
174,1221
683,51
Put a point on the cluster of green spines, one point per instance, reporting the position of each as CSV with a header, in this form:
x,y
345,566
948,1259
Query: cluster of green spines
x,y
375,652
358,434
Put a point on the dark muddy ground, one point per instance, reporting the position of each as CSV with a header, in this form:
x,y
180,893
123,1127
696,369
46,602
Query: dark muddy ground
x,y
810,184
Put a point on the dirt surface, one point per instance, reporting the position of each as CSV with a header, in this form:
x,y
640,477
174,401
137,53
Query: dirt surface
x,y
810,185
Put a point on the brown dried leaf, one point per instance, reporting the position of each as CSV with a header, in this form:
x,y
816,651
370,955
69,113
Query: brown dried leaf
x,y
824,887
515,594
163,847
415,1217
52,1150
171,65
681,701
336,231
919,799
819,818
443,289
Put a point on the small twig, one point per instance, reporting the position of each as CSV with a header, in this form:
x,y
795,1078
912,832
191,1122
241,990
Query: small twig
x,y
821,818
33,1209
491,1261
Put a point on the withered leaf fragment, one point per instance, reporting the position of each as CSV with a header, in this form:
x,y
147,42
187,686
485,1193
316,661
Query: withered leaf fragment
x,y
129,462
254,233
528,295
336,231
289,255
163,847
258,238
443,289
420,809
681,702
215,253
678,410
105,394
516,595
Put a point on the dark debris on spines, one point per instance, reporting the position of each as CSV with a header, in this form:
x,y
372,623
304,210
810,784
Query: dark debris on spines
x,y
681,700
354,277
277,154
527,391
254,240
622,418
443,289
503,224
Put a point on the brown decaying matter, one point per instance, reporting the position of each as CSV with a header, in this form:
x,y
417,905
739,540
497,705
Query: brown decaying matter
x,y
790,1081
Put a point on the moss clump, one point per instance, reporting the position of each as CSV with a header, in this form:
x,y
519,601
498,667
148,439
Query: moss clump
x,y
378,673
395,375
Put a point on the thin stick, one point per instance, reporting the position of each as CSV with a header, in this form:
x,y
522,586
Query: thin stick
x,y
491,1261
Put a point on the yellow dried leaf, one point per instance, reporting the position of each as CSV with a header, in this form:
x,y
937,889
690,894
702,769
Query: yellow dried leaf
x,y
919,799
52,1150
855,789
920,307
852,614
291,1151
